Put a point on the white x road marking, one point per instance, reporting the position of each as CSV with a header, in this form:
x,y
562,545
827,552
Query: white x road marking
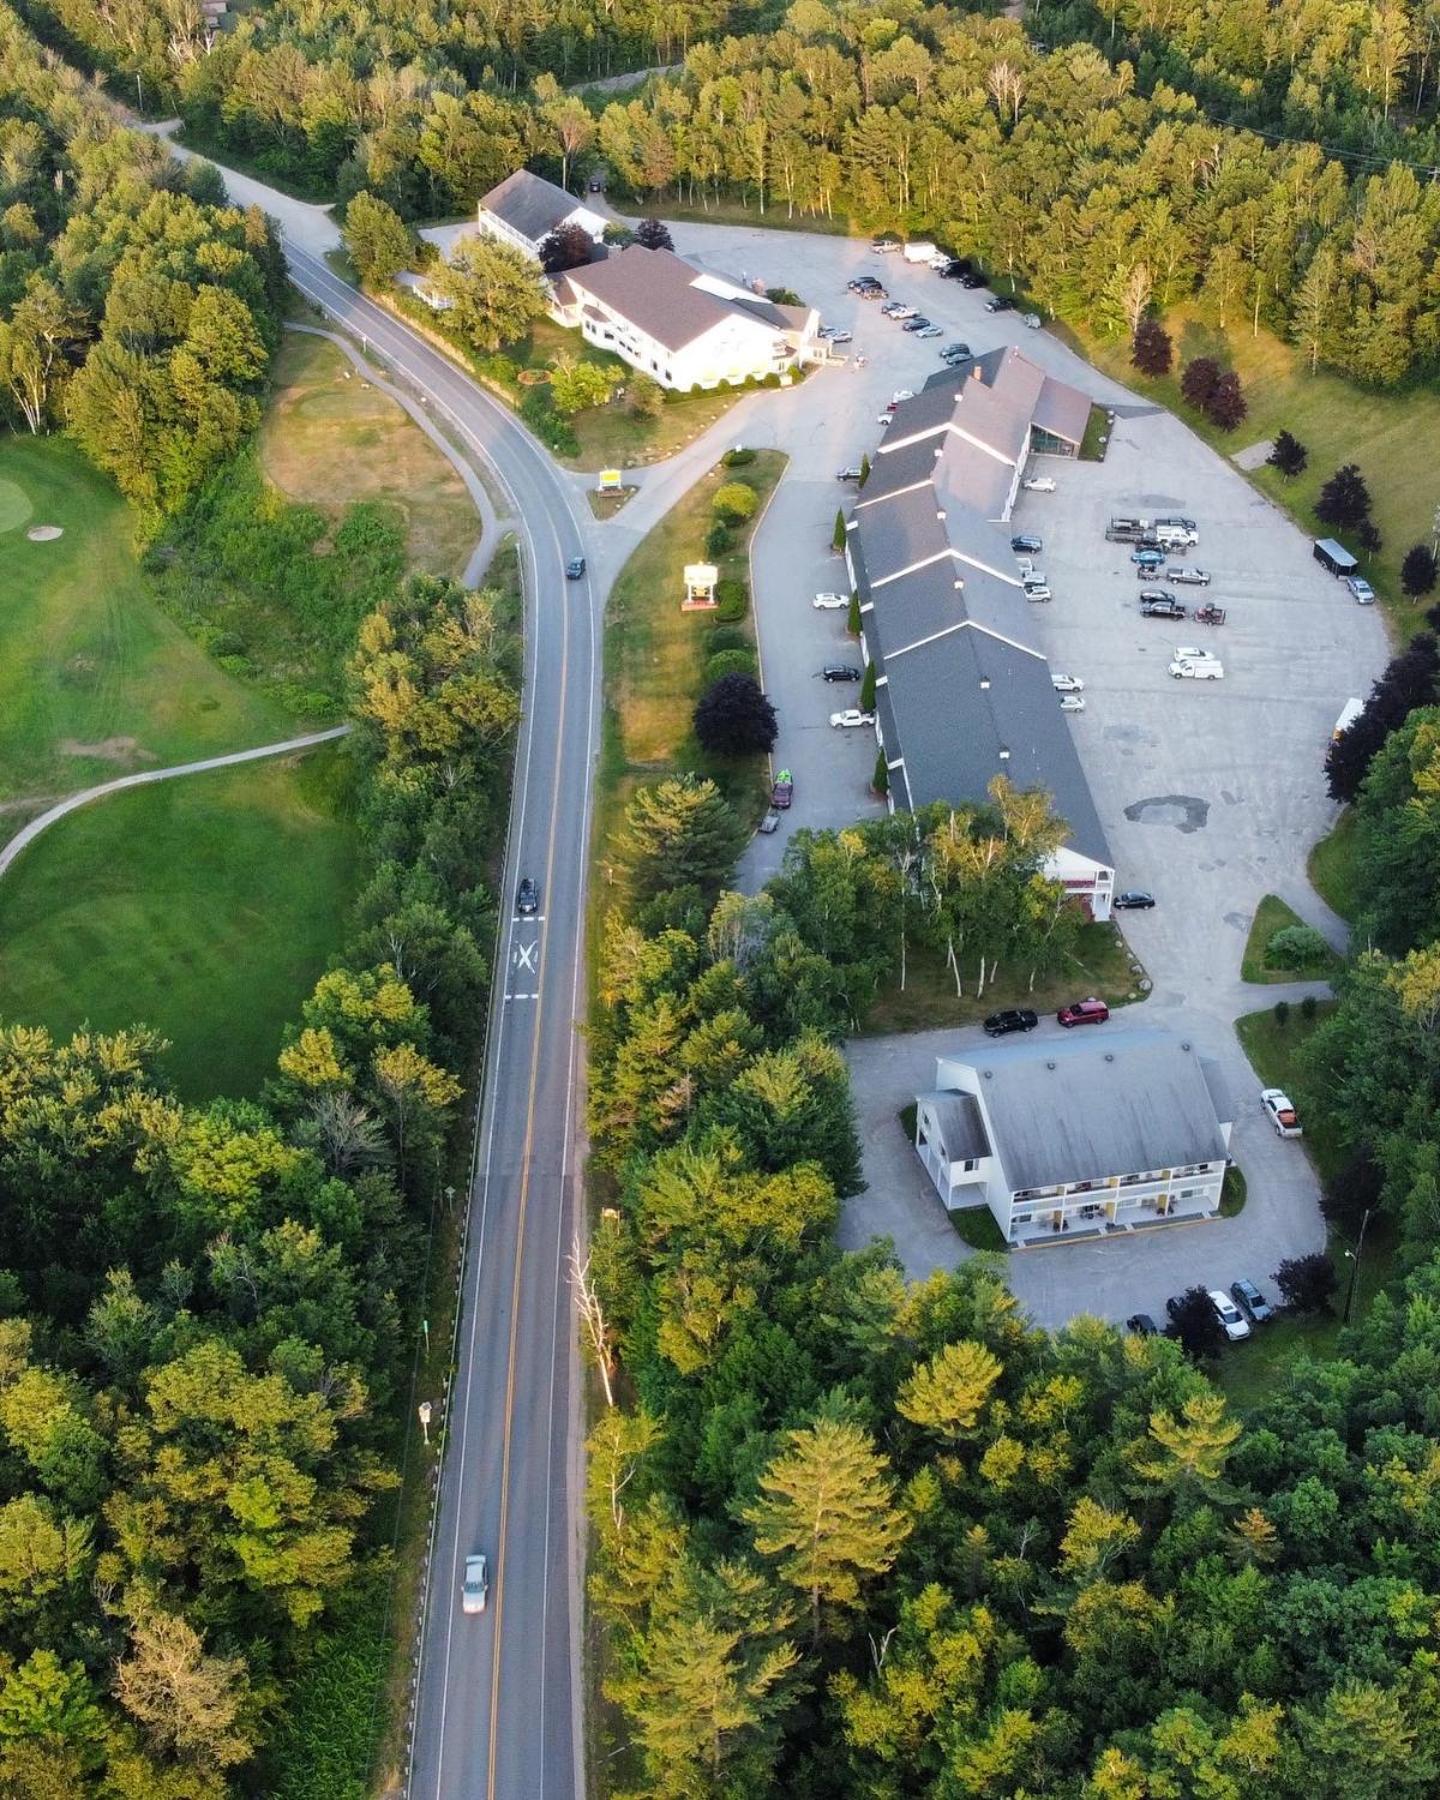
x,y
525,956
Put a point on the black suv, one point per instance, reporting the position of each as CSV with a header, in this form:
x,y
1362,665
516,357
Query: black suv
x,y
1019,1018
1142,1325
956,269
1028,543
1001,303
527,897
840,672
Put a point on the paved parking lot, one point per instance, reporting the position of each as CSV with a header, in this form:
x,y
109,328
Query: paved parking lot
x,y
1211,793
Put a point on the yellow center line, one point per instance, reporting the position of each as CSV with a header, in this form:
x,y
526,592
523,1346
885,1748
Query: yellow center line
x,y
499,1611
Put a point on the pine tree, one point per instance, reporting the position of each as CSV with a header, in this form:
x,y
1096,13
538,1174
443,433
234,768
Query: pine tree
x,y
1195,1446
826,1513
676,832
1288,455
948,1393
837,536
1345,499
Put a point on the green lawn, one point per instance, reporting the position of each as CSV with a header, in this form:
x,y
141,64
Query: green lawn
x,y
1274,1053
1102,966
205,907
1337,422
1272,915
1334,870
94,679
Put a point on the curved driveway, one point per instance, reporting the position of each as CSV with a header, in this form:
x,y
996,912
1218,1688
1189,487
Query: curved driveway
x,y
497,1708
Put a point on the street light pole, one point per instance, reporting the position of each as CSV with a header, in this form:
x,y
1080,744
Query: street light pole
x,y
1354,1256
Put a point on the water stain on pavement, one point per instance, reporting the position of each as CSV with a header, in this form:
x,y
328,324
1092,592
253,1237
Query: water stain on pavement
x,y
1183,811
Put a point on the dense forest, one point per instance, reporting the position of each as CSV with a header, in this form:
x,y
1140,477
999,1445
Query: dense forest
x,y
854,1538
1060,171
206,1311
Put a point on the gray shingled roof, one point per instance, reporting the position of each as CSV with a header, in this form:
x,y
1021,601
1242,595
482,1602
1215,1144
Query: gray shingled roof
x,y
962,1127
952,730
1116,1102
904,531
655,290
529,204
1063,411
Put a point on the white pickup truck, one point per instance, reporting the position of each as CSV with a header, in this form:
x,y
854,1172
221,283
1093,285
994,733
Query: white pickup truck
x,y
1281,1113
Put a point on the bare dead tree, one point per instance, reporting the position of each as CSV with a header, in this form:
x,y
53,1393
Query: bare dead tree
x,y
593,1327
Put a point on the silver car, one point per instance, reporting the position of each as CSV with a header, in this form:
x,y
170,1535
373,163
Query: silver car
x,y
476,1585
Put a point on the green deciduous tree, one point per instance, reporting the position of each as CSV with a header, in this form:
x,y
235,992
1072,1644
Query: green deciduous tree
x,y
496,293
379,242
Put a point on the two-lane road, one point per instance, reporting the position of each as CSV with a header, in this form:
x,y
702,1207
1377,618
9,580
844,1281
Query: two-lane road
x,y
498,1708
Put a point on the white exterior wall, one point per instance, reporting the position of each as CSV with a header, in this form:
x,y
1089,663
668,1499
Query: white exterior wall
x,y
1092,882
496,227
1135,1197
731,352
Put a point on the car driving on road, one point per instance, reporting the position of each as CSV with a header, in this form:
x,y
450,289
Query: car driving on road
x,y
1015,1018
527,897
476,1584
575,568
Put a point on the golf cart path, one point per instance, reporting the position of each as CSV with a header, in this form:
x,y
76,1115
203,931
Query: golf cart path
x,y
73,802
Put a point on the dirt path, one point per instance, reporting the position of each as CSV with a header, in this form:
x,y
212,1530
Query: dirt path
x,y
72,802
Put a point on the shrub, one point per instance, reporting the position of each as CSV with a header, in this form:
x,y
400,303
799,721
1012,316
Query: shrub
x,y
727,637
1418,572
654,234
1199,381
718,540
880,780
735,502
548,426
867,689
1307,1282
852,618
733,600
738,458
837,536
1282,1013
1227,405
1295,947
734,718
730,662
1308,1008
783,296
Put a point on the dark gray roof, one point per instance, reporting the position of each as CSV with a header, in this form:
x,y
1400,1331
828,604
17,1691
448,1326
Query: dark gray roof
x,y
529,204
929,411
906,530
952,730
1063,411
891,471
1121,1102
656,290
962,1127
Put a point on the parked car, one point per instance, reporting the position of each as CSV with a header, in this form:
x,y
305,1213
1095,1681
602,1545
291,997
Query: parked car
x,y
1189,576
872,291
883,246
771,822
1280,1111
1044,484
918,323
930,331
956,349
1000,303
575,568
1147,561
851,473
1232,1321
972,280
842,337
1207,669
527,897
783,791
1072,703
830,602
882,419
902,394
1361,589
1038,591
1155,605
841,672
475,1586
1015,1018
1133,900
1066,684
1256,1308
1142,1325
851,717
897,308
1027,541
1084,1012
1193,653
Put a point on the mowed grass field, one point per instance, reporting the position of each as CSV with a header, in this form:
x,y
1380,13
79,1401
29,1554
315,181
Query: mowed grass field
x,y
95,681
330,437
205,907
1388,434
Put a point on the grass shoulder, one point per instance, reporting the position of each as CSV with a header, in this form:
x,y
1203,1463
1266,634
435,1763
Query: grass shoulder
x,y
1103,965
1274,1045
95,680
205,908
1257,963
1334,867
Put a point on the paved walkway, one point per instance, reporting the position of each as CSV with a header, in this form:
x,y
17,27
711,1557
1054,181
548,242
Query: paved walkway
x,y
492,526
73,802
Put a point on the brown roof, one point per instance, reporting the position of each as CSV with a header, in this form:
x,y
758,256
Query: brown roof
x,y
656,291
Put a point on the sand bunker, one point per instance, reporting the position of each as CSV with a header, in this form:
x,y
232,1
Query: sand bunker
x,y
111,749
45,534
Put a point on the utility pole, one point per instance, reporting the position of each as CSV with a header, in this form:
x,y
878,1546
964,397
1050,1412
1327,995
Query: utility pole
x,y
1354,1256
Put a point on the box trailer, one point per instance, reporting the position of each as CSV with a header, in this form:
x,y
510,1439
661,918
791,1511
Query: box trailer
x,y
1332,555
921,252
1349,713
